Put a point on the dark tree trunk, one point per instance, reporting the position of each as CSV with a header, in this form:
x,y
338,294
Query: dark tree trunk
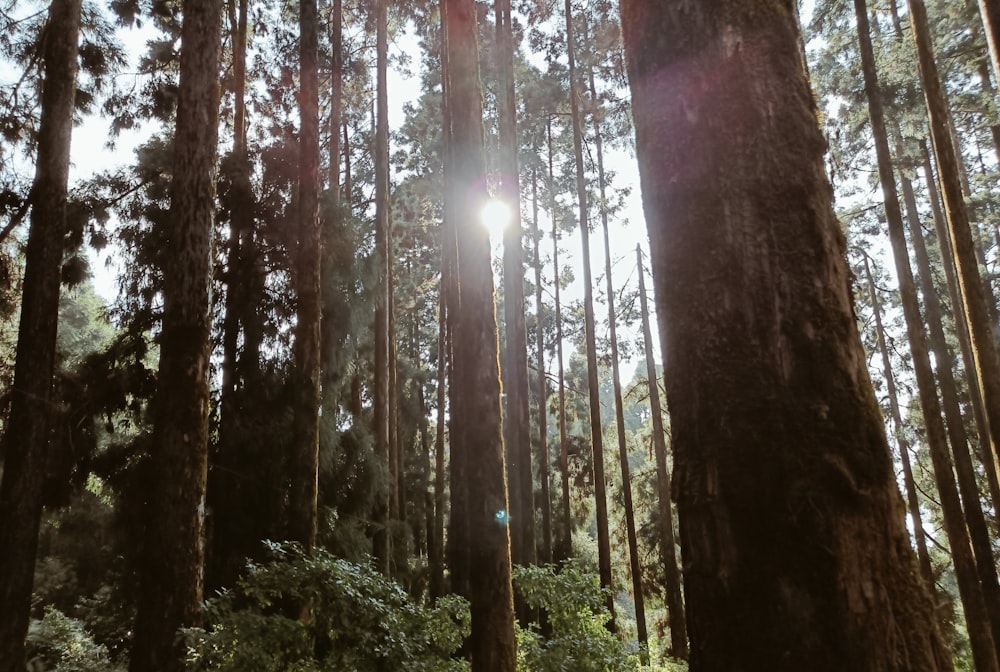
x,y
25,441
515,375
668,553
435,541
795,552
171,582
381,516
596,430
989,10
476,382
302,499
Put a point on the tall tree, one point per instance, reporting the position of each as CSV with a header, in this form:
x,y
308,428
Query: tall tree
x,y
791,525
25,441
171,582
668,554
517,422
596,430
476,383
305,442
545,549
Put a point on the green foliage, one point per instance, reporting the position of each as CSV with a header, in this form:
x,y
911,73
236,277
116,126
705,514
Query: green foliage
x,y
58,643
573,603
353,619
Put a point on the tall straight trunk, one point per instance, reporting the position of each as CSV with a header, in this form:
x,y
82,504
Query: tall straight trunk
x,y
975,595
616,380
987,452
435,541
986,364
596,431
912,498
302,499
170,591
515,375
381,516
545,554
989,10
336,98
564,550
964,466
776,431
476,382
665,528
24,445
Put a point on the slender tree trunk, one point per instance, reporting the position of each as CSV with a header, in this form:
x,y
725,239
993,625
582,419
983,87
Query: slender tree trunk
x,y
476,398
986,450
25,441
913,501
171,580
381,516
564,550
986,364
305,440
596,431
436,540
543,446
989,10
665,531
776,431
633,544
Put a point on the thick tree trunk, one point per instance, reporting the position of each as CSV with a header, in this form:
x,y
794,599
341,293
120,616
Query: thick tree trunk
x,y
665,532
795,552
381,516
302,499
171,582
476,386
596,430
25,441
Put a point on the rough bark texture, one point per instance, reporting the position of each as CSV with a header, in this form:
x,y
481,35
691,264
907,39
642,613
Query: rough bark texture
x,y
302,498
668,553
25,442
476,381
792,532
596,430
171,582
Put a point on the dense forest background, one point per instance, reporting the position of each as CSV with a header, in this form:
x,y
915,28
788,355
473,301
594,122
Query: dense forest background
x,y
330,521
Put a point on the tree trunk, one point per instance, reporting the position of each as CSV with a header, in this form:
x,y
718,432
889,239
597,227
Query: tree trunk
x,y
543,445
436,541
564,550
381,516
476,386
616,380
596,431
25,442
989,10
171,580
668,554
986,364
302,500
795,552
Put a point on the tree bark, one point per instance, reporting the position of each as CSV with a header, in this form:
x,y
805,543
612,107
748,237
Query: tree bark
x,y
25,441
171,580
596,430
665,531
476,386
545,554
795,552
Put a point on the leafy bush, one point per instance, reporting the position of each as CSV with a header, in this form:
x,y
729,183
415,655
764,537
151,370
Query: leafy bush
x,y
577,639
58,643
302,613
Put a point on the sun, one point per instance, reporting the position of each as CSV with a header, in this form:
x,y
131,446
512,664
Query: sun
x,y
495,216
